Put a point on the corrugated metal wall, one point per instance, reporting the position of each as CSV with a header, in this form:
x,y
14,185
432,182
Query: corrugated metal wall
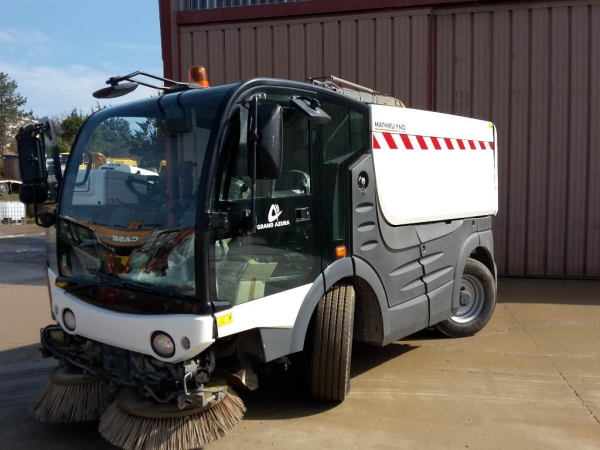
x,y
532,69
389,51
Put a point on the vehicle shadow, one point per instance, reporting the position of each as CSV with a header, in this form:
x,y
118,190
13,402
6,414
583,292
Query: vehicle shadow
x,y
287,396
428,334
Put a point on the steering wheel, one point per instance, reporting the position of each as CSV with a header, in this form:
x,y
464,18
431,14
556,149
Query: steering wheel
x,y
291,180
238,190
153,189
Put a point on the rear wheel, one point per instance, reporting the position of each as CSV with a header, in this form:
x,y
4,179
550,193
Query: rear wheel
x,y
3,189
331,348
477,302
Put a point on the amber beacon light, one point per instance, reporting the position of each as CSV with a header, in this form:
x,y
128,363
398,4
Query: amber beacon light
x,y
197,74
340,252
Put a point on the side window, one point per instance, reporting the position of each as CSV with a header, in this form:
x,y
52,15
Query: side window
x,y
344,134
343,139
295,170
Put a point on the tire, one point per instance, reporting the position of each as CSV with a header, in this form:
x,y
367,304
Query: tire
x,y
3,189
331,344
480,300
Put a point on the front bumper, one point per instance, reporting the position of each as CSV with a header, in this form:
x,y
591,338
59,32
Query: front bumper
x,y
130,331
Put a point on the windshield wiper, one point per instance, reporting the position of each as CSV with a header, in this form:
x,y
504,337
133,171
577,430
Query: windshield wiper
x,y
115,280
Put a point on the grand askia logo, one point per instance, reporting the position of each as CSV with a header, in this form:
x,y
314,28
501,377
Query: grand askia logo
x,y
273,219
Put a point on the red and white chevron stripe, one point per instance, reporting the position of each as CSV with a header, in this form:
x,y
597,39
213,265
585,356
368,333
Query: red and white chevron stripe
x,y
398,141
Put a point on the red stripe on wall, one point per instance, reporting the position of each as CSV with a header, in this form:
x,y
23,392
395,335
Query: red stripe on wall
x,y
406,142
390,141
436,143
482,145
375,143
461,144
421,142
449,144
491,145
472,145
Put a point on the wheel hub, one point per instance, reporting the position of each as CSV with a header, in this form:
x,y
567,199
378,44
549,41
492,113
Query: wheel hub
x,y
465,297
471,300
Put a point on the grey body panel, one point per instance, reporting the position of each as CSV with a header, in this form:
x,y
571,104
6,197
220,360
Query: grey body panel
x,y
484,223
440,302
276,342
441,251
396,258
366,272
420,266
408,318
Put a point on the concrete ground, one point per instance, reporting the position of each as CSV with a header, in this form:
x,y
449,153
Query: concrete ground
x,y
529,380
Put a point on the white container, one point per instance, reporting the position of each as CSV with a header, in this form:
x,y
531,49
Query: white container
x,y
12,211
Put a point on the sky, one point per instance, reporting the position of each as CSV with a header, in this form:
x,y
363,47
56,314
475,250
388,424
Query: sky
x,y
60,51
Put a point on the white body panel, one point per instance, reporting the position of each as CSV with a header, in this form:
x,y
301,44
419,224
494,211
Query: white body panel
x,y
274,311
119,167
132,331
422,173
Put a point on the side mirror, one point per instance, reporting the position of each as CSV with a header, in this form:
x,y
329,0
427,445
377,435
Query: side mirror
x,y
269,141
32,164
311,108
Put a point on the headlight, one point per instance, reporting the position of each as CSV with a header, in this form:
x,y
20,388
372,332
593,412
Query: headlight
x,y
162,344
69,320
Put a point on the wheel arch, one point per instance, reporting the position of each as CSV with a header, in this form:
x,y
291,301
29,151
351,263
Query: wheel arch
x,y
469,246
371,323
478,246
485,252
484,256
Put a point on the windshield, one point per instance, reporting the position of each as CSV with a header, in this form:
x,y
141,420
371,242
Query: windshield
x,y
128,208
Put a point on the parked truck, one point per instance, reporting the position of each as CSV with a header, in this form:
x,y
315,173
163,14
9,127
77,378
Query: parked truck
x,y
287,219
10,178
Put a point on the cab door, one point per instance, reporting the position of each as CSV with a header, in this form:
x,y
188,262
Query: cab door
x,y
283,255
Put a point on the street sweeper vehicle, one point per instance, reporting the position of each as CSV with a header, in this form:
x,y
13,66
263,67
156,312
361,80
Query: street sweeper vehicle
x,y
282,219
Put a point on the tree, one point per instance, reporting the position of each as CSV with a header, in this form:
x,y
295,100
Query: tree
x,y
146,143
68,127
112,137
11,114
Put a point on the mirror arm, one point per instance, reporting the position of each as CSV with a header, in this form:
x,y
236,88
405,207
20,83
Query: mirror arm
x,y
115,80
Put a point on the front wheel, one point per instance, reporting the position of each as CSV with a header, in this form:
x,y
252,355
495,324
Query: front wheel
x,y
477,302
331,348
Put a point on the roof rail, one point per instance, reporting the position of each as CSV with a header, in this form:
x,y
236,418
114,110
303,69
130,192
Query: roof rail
x,y
356,91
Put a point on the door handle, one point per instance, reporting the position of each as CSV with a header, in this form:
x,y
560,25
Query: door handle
x,y
302,214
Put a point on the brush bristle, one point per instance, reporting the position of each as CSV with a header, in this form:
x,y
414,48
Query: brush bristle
x,y
85,402
190,432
